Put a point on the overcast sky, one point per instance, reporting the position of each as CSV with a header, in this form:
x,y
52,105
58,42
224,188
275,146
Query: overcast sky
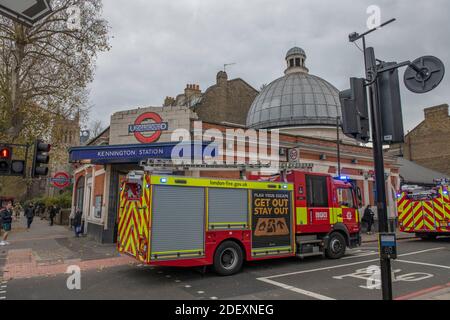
x,y
159,46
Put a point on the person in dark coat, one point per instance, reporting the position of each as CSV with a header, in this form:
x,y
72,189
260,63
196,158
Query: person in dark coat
x,y
52,214
77,221
29,214
368,218
6,216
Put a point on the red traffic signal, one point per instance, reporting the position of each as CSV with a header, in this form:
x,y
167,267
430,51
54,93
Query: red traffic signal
x,y
5,153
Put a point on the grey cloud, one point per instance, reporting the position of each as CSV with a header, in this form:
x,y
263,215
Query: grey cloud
x,y
159,46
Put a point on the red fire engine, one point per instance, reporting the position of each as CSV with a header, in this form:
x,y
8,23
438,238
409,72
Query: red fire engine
x,y
182,221
425,211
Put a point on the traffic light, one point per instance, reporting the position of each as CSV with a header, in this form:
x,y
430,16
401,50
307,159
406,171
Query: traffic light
x,y
355,114
18,168
390,104
5,160
40,159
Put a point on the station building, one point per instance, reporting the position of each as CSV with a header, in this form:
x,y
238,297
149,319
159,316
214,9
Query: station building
x,y
303,107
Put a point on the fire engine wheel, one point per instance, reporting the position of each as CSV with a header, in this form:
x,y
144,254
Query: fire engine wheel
x,y
336,246
228,258
426,236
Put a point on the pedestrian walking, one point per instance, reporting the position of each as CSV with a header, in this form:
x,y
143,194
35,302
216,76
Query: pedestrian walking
x,y
6,216
52,214
17,210
29,214
369,219
77,221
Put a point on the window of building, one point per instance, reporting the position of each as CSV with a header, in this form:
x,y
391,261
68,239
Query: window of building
x,y
317,191
297,62
291,63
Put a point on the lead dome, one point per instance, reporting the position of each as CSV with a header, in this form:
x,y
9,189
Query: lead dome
x,y
295,100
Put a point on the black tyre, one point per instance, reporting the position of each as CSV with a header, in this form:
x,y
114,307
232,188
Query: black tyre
x,y
228,258
426,236
336,246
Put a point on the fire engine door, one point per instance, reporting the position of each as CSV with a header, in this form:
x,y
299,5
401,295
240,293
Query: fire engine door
x,y
133,233
317,200
426,219
347,206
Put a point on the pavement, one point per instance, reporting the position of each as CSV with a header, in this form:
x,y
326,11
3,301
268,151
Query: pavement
x,y
45,250
34,266
368,238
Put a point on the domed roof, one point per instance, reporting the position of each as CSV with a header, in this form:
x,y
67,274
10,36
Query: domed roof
x,y
297,99
295,51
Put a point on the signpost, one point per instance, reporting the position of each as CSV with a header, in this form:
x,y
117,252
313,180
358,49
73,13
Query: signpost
x,y
60,180
27,12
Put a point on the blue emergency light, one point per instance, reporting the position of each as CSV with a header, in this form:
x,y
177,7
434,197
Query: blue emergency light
x,y
163,180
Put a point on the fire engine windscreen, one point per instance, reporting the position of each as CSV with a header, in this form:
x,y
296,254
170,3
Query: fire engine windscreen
x,y
345,197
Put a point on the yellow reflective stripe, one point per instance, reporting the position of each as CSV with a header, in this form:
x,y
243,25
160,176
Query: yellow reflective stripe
x,y
228,223
302,216
271,249
207,208
178,251
176,256
336,215
220,183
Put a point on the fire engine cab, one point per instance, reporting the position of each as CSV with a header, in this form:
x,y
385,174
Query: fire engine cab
x,y
181,221
425,210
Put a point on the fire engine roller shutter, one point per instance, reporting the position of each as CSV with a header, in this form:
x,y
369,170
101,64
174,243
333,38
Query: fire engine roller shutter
x,y
178,222
227,208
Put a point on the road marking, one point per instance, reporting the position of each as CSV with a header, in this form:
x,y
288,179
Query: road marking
x,y
424,264
422,292
422,251
200,292
346,265
297,290
2,298
319,296
360,255
2,292
214,298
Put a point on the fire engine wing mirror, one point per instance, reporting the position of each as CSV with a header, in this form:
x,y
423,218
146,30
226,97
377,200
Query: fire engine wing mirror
x,y
359,195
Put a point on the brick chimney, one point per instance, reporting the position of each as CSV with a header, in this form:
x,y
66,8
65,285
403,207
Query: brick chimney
x,y
437,112
169,102
192,90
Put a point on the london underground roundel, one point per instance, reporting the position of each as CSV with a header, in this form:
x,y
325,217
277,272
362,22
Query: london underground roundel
x,y
148,127
61,180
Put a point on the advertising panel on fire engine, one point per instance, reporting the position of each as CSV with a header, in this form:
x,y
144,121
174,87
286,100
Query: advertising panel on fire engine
x,y
271,221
